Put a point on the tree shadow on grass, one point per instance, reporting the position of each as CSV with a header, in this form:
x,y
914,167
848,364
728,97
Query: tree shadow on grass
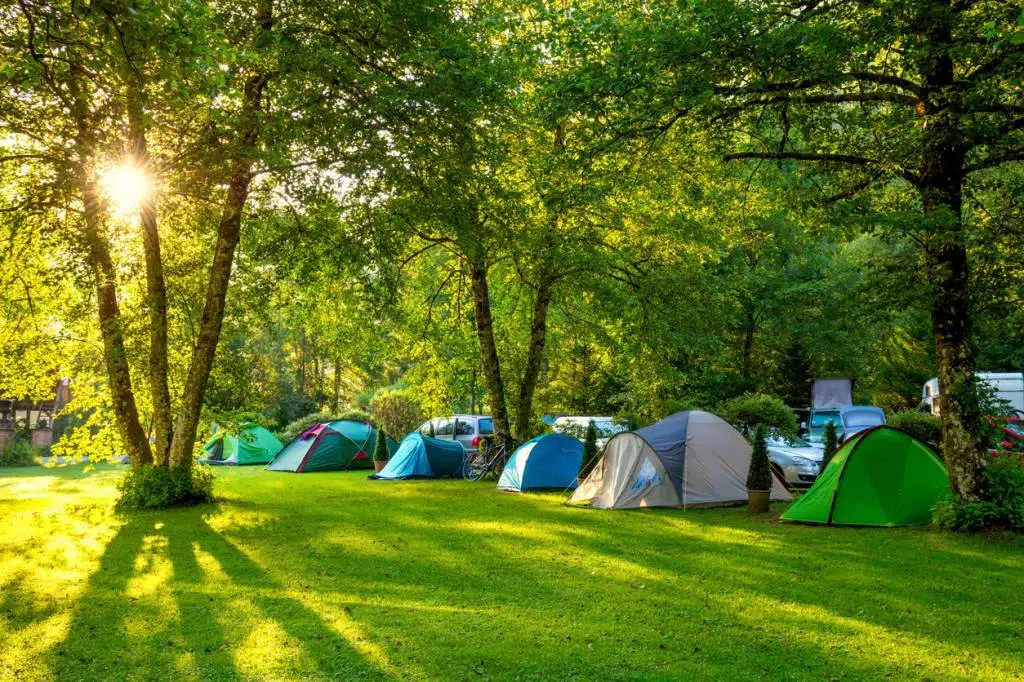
x,y
161,614
817,596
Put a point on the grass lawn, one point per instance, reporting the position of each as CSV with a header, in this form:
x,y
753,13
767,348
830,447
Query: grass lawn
x,y
332,576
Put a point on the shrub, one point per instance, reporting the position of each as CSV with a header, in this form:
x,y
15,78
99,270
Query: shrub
x,y
150,487
397,411
380,448
17,453
831,443
302,423
590,453
1002,508
759,477
920,425
758,409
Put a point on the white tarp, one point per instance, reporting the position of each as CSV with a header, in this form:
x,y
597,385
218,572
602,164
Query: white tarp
x,y
831,394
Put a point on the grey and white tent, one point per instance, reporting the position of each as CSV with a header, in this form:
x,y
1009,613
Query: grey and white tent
x,y
688,459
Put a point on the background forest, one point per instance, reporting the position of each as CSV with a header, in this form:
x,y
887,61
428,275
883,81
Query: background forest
x,y
441,196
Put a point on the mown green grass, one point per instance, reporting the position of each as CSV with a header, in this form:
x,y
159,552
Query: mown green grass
x,y
332,576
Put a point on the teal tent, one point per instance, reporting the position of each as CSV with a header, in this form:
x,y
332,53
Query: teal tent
x,y
252,445
551,461
332,446
420,456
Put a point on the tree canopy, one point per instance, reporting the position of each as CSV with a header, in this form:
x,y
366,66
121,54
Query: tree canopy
x,y
216,209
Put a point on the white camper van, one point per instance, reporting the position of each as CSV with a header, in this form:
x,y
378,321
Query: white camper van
x,y
1008,385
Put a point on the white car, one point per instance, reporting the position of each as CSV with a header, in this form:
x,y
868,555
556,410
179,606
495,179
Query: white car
x,y
795,461
468,429
577,428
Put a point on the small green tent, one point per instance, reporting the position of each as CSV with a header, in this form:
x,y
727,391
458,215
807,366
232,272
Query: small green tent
x,y
252,445
880,477
331,446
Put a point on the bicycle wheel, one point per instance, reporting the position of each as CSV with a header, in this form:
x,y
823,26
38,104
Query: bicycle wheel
x,y
496,464
475,467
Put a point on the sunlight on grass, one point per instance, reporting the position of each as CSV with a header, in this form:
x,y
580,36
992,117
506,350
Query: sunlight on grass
x,y
902,653
450,580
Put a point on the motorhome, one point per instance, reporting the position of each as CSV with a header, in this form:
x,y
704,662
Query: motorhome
x,y
1007,385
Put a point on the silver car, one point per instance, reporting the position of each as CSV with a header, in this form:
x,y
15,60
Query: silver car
x,y
468,429
795,461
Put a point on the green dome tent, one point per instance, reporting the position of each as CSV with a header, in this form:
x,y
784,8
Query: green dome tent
x,y
337,445
880,477
254,445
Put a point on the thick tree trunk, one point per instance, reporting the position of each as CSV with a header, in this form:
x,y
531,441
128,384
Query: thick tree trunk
x,y
119,380
228,235
156,288
535,356
488,348
941,188
946,257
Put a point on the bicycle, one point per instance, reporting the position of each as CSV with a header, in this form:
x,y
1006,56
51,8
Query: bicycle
x,y
489,460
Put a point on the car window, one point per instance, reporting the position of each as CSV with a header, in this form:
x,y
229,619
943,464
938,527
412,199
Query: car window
x,y
463,427
820,419
863,419
425,427
444,427
486,427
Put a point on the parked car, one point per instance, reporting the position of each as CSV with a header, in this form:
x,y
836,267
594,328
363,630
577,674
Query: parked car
x,y
1012,429
855,419
468,429
577,428
816,424
795,461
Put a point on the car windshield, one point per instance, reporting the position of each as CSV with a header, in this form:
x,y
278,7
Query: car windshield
x,y
822,418
486,427
862,419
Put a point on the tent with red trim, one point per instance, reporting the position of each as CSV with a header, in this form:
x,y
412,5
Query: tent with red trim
x,y
331,446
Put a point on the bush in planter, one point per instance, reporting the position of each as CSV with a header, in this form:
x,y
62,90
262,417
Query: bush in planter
x,y
759,477
380,448
150,487
831,443
590,453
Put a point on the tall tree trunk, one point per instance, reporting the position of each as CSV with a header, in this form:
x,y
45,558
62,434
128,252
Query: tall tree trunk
x,y
156,289
300,376
119,380
228,235
749,329
535,355
941,188
337,383
488,348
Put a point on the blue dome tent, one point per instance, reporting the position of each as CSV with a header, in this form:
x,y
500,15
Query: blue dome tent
x,y
420,456
550,461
